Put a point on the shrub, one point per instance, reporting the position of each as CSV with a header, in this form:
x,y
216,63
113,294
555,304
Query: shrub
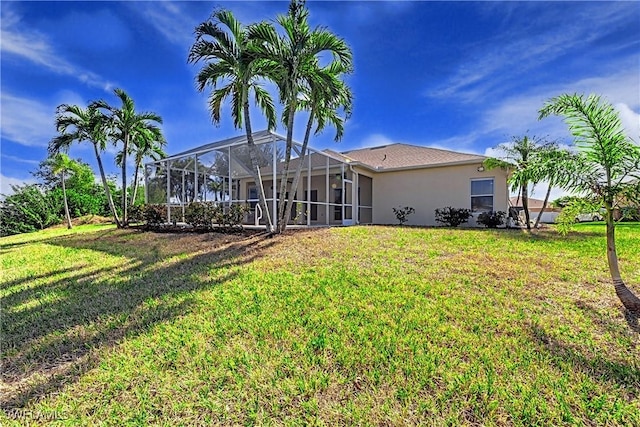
x,y
202,214
402,214
234,216
154,214
28,209
452,217
492,219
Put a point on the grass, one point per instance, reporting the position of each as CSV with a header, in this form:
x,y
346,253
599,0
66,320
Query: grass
x,y
357,325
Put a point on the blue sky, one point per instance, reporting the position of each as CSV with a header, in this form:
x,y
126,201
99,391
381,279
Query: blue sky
x,y
463,76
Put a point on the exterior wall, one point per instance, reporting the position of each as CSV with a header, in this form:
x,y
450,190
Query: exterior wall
x,y
428,189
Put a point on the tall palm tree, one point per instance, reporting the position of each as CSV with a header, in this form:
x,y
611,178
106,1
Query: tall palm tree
x,y
326,95
234,71
294,58
128,126
84,125
61,164
604,168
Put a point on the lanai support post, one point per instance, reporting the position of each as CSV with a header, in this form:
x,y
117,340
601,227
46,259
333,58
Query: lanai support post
x,y
326,200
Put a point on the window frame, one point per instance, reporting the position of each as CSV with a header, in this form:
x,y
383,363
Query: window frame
x,y
492,194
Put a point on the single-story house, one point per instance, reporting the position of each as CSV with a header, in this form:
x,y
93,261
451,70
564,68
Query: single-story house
x,y
549,214
336,188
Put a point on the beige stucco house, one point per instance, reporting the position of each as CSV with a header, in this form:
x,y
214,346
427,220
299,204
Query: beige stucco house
x,y
352,187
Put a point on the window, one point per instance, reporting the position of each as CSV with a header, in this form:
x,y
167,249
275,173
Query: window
x,y
252,195
482,195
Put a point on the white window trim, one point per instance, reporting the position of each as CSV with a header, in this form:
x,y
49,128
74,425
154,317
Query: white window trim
x,y
493,195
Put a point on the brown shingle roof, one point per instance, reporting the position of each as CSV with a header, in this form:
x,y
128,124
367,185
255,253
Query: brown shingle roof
x,y
398,156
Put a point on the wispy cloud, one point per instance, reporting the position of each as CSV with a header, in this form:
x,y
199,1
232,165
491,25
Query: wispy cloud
x,y
169,19
7,181
20,159
487,71
18,40
26,121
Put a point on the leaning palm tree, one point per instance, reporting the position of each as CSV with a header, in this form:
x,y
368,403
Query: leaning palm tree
x,y
519,157
61,164
604,168
148,143
326,95
127,126
234,71
294,58
78,124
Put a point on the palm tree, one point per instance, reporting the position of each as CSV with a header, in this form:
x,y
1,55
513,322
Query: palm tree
x,y
325,96
128,126
545,169
520,156
148,143
77,124
604,167
294,61
233,70
61,164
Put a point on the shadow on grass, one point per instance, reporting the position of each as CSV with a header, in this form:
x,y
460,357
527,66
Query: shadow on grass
x,y
624,375
48,343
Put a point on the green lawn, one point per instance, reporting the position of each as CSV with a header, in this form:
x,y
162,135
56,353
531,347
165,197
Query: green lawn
x,y
358,325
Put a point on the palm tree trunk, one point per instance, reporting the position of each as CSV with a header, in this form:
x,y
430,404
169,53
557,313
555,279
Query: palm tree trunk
x,y
125,219
262,200
105,184
629,300
544,204
525,205
305,143
135,185
66,205
283,207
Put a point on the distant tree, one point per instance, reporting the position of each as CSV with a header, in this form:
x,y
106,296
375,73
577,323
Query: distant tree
x,y
129,127
61,164
604,168
520,158
148,143
77,124
233,70
28,209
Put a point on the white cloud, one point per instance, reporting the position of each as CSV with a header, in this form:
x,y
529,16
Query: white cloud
x,y
630,120
6,182
19,41
21,160
26,121
170,20
486,72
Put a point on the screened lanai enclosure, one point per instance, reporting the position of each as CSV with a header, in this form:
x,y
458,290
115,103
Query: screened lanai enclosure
x,y
330,191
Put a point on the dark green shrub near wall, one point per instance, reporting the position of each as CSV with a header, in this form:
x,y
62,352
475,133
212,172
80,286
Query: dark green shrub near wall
x,y
402,214
203,214
452,217
492,219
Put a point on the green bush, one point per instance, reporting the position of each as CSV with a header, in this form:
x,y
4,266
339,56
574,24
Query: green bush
x,y
234,216
452,217
154,214
402,214
492,219
28,209
202,214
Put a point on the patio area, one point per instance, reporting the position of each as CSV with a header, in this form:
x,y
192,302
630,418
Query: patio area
x,y
329,192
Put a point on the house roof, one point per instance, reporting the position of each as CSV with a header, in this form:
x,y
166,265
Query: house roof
x,y
405,156
534,204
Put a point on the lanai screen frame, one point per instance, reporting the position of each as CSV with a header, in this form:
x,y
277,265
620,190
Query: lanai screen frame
x,y
336,173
